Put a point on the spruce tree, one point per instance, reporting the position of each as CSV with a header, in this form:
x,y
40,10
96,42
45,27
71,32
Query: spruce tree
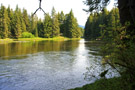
x,y
55,24
36,32
40,28
1,22
72,29
47,26
17,31
10,21
33,24
4,29
61,18
88,27
26,20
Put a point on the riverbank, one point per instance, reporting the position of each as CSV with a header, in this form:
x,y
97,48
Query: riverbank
x,y
8,40
104,84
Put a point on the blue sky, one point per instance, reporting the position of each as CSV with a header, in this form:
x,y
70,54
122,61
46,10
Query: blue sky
x,y
59,5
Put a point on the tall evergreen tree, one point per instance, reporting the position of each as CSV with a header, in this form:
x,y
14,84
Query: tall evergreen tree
x,y
26,20
88,27
1,21
72,29
55,24
33,22
10,21
4,22
47,26
17,24
61,18
40,28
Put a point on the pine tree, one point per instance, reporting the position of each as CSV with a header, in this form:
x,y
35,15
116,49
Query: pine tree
x,y
4,29
40,28
5,22
10,21
72,29
36,32
55,24
61,18
34,20
1,22
88,27
23,26
26,20
47,26
17,31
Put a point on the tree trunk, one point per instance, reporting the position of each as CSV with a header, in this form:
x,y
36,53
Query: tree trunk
x,y
127,14
132,9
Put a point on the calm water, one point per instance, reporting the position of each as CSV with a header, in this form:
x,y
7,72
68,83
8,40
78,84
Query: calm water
x,y
48,65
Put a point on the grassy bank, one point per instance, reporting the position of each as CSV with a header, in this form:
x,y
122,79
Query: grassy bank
x,y
8,40
104,84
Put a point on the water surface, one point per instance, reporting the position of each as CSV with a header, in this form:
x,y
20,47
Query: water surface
x,y
47,65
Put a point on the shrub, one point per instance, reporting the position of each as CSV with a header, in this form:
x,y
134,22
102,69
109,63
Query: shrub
x,y
27,35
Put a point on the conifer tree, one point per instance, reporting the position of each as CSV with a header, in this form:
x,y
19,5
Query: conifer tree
x,y
1,22
10,21
72,29
55,24
101,23
61,18
47,26
40,28
34,20
88,27
26,20
36,32
4,22
17,24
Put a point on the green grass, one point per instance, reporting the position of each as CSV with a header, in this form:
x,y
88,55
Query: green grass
x,y
39,39
104,84
60,38
7,40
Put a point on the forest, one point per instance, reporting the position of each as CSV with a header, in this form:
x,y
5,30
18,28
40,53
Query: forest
x,y
97,22
116,29
18,24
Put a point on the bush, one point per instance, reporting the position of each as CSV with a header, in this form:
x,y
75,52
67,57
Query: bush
x,y
27,35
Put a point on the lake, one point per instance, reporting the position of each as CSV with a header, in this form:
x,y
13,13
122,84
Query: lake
x,y
49,65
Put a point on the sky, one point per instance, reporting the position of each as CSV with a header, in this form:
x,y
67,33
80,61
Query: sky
x,y
60,5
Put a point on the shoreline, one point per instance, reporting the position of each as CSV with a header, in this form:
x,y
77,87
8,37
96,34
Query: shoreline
x,y
10,40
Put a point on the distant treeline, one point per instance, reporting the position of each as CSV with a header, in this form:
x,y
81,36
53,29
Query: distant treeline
x,y
98,23
13,23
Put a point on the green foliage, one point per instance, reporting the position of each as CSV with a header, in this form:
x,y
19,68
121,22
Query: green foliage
x,y
96,23
4,29
104,84
119,46
14,23
96,5
61,18
55,24
27,35
26,19
119,49
71,26
47,26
